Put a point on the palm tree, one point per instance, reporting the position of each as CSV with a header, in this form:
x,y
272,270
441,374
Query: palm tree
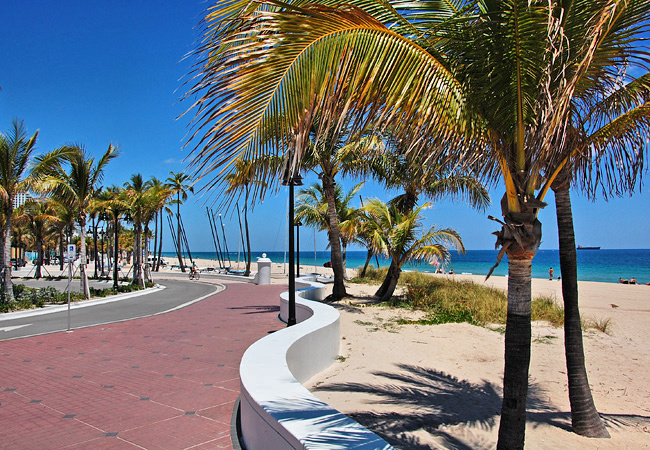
x,y
619,140
155,198
397,170
395,233
177,184
16,150
76,186
159,190
488,78
313,210
38,216
134,193
243,179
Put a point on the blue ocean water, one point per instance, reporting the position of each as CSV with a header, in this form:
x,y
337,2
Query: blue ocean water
x,y
593,265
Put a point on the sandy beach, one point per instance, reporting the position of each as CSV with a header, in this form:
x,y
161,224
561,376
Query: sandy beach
x,y
440,386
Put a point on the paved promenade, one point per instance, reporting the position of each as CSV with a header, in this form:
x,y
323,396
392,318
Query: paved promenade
x,y
163,382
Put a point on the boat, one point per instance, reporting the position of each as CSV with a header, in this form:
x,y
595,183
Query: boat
x,y
584,247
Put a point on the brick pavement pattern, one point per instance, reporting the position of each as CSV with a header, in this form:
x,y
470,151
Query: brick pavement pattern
x,y
162,382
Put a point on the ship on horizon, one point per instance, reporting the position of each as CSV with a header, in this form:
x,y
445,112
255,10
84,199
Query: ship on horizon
x,y
586,247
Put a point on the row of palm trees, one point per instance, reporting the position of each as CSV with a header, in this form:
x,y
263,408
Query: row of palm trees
x,y
69,182
540,95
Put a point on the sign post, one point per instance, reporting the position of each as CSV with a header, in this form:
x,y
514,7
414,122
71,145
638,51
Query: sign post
x,y
71,253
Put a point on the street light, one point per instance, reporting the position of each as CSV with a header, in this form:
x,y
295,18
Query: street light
x,y
298,225
291,180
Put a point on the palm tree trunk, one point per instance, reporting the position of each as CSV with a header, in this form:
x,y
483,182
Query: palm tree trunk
x,y
95,247
248,238
85,289
512,428
147,269
365,266
160,243
584,416
178,233
338,288
61,249
384,285
39,259
392,284
137,257
6,257
155,242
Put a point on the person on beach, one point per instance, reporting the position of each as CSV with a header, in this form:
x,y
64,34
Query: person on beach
x,y
621,280
550,274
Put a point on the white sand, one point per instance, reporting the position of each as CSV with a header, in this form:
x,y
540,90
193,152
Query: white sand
x,y
440,386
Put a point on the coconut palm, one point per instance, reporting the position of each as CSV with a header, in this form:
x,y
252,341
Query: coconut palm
x,y
179,187
76,186
134,193
243,179
160,191
619,140
313,210
16,151
398,170
396,234
506,70
155,198
38,216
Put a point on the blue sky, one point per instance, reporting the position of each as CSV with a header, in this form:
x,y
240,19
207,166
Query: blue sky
x,y
101,72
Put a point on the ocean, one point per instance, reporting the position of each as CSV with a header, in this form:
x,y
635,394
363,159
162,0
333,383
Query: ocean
x,y
605,265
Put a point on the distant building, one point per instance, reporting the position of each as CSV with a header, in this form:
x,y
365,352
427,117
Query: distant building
x,y
21,198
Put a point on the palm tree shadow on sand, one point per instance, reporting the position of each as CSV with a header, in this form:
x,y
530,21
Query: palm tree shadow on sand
x,y
435,398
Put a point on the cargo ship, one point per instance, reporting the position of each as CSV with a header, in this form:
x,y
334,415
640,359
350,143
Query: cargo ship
x,y
583,247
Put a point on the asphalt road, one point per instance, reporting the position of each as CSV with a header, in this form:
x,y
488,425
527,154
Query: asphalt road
x,y
176,293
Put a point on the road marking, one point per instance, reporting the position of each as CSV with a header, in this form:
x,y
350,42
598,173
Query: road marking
x,y
15,327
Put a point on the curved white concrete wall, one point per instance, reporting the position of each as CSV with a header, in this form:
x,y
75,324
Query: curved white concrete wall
x,y
276,411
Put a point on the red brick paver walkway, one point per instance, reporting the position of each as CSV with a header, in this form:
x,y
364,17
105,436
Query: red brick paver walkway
x,y
163,382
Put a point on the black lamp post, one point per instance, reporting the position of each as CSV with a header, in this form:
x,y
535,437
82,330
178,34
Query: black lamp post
x,y
291,180
298,225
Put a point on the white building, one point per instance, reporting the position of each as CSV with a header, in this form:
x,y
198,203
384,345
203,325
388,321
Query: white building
x,y
21,198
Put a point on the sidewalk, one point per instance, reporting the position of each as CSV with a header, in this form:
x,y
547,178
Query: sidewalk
x,y
163,382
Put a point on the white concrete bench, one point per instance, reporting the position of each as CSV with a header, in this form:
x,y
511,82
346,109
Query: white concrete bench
x,y
276,411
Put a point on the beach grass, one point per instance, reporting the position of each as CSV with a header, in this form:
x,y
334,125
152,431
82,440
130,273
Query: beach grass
x,y
451,301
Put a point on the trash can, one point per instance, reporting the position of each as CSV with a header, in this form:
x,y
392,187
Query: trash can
x,y
263,270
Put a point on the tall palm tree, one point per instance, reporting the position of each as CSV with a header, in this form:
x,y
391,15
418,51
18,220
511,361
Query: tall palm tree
x,y
159,190
16,151
495,77
38,216
135,193
396,234
75,186
313,210
155,198
179,187
613,132
243,179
